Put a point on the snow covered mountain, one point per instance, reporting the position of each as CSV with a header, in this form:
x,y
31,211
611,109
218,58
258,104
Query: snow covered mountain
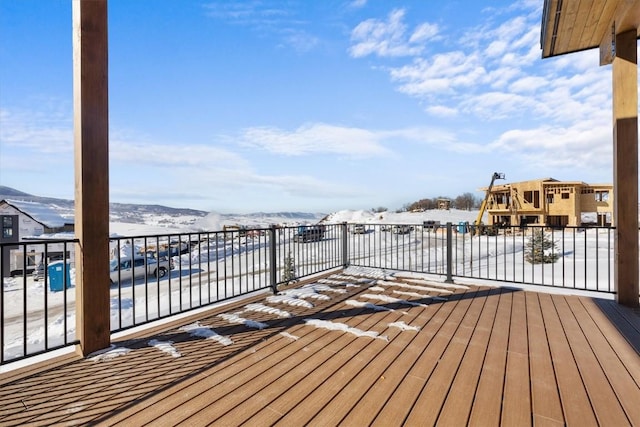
x,y
133,219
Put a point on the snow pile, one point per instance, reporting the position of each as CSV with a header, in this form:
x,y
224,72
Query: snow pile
x,y
109,353
336,326
290,336
236,318
197,330
289,300
310,291
388,299
404,327
368,273
324,287
165,347
350,278
414,287
411,294
368,305
261,308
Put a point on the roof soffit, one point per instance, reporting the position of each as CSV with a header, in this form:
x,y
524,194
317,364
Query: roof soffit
x,y
575,25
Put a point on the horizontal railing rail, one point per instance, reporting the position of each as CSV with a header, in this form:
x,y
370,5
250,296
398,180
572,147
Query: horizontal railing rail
x,y
156,277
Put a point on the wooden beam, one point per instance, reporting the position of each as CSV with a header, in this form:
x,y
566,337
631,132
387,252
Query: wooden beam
x,y
625,167
91,136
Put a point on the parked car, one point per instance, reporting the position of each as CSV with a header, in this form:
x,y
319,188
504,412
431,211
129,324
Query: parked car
x,y
359,229
309,233
429,225
126,268
401,229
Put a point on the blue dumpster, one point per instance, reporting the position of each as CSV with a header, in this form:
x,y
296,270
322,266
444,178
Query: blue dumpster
x,y
56,271
463,226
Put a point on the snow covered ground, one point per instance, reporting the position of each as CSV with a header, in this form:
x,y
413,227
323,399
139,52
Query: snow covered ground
x,y
496,259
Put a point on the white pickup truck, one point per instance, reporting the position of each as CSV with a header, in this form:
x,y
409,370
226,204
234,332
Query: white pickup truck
x,y
126,268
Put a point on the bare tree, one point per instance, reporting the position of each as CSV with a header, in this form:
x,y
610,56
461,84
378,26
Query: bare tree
x,y
466,201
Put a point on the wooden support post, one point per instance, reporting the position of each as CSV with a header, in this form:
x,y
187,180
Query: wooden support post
x,y
625,167
91,135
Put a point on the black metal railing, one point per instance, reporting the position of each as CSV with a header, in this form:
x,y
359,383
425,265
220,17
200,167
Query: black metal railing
x,y
569,257
155,277
204,268
37,302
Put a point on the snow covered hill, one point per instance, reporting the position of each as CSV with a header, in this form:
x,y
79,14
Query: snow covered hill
x,y
133,219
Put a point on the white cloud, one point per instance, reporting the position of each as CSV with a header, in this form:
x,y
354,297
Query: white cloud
x,y
423,33
500,105
389,38
356,4
301,41
316,138
528,84
583,146
442,111
305,186
125,149
270,18
443,73
247,12
47,131
496,48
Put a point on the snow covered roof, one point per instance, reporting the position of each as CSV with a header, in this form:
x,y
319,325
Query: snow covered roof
x,y
40,212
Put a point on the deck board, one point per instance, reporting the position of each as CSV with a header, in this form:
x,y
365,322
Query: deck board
x,y
516,397
386,383
487,404
481,356
400,404
605,405
286,375
574,397
457,407
433,395
545,399
333,404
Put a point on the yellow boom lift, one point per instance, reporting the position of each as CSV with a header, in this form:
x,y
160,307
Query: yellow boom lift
x,y
479,226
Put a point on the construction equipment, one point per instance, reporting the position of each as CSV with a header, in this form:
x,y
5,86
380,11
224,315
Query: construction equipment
x,y
479,226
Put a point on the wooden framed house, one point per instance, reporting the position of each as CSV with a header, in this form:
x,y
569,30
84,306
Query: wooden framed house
x,y
551,203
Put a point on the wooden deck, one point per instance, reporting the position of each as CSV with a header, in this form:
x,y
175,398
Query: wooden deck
x,y
477,356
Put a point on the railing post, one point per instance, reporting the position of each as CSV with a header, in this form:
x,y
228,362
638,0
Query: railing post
x,y
345,246
449,278
273,260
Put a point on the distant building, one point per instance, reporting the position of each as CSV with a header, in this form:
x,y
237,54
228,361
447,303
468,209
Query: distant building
x,y
22,221
444,204
551,203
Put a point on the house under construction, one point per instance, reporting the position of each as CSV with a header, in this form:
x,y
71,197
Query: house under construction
x,y
551,203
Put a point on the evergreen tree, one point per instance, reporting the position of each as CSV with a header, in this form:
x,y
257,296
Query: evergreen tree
x,y
289,274
540,249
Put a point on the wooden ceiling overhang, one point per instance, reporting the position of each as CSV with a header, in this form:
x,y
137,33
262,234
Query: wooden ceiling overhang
x,y
575,25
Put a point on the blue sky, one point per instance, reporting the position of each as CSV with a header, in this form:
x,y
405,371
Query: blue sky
x,y
317,106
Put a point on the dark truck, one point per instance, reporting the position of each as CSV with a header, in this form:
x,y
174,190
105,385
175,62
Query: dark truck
x,y
309,233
